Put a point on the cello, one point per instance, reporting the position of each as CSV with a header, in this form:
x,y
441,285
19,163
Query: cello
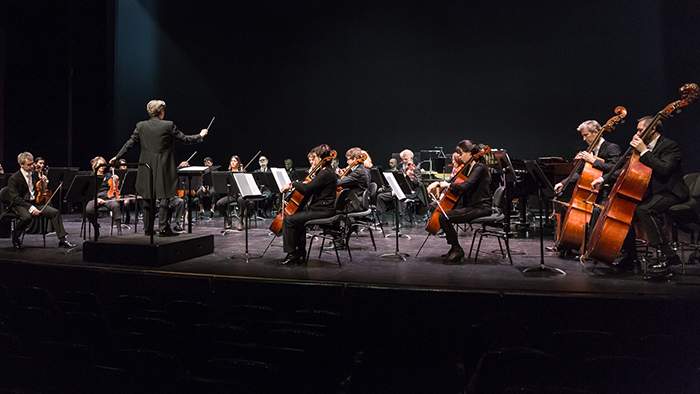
x,y
572,230
611,229
298,199
449,199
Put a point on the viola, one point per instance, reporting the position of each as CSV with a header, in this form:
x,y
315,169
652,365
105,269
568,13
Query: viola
x,y
43,194
615,219
358,162
449,199
298,199
572,229
113,187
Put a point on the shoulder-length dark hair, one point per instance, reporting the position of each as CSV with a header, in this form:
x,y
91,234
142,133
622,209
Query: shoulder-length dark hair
x,y
322,151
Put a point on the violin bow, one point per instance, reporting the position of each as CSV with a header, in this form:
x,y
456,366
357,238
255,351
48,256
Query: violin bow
x,y
251,160
190,158
47,203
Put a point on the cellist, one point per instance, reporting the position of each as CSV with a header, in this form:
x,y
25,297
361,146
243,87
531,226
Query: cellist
x,y
474,200
608,153
666,188
322,191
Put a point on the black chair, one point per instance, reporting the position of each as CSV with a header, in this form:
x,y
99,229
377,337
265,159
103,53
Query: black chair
x,y
10,214
333,228
492,225
363,219
685,217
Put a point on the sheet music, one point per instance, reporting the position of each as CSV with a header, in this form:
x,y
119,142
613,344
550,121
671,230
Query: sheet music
x,y
195,169
395,185
281,177
246,185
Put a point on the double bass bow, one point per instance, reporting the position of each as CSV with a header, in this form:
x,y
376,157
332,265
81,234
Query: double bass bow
x,y
572,229
298,199
449,199
611,229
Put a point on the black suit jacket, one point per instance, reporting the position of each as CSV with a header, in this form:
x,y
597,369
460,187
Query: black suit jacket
x,y
610,152
357,181
156,137
19,190
667,172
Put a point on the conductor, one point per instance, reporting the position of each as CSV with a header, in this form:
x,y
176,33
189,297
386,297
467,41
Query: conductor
x,y
156,137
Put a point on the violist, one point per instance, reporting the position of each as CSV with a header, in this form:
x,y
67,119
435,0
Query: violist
x,y
474,200
322,191
103,192
357,179
666,188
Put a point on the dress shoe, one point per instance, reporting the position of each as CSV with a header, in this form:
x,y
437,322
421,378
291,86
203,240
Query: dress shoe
x,y
168,232
66,244
452,249
227,225
178,228
290,259
456,256
664,263
626,263
97,231
211,214
240,225
16,243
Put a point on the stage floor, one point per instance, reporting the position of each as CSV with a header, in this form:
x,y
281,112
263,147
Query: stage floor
x,y
490,274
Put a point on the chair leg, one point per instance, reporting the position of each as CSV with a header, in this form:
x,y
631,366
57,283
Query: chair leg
x,y
505,239
478,231
371,236
476,256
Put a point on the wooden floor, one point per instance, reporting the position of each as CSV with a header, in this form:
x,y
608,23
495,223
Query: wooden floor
x,y
491,273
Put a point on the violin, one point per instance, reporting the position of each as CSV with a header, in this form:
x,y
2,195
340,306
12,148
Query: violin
x,y
43,194
572,229
113,187
358,162
449,199
298,199
410,167
616,217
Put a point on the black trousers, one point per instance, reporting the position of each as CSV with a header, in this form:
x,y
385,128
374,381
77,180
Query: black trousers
x,y
460,215
164,214
294,228
646,213
113,206
49,212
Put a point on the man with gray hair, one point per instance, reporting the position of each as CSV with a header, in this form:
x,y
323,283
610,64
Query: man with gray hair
x,y
156,137
23,194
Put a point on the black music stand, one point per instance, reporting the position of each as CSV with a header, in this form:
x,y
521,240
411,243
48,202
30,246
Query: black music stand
x,y
281,178
82,190
222,180
56,175
399,196
266,179
191,172
249,190
544,189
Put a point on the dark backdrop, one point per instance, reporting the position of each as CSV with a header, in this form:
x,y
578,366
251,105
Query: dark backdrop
x,y
385,75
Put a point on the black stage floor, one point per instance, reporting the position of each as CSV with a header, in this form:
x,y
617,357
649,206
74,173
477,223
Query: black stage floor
x,y
490,274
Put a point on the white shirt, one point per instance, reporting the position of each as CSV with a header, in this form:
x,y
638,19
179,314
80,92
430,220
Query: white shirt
x,y
28,179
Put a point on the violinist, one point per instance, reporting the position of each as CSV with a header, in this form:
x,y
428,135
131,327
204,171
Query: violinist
x,y
223,203
357,180
385,200
666,188
22,187
474,200
289,167
107,191
322,191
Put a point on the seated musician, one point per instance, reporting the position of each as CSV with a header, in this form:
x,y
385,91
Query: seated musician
x,y
322,190
23,193
474,197
607,151
223,203
356,180
265,190
289,167
206,192
103,195
666,188
126,204
385,199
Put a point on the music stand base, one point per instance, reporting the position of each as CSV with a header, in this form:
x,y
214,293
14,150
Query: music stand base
x,y
543,267
400,255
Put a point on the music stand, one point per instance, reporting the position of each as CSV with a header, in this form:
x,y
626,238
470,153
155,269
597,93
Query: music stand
x,y
398,196
191,172
81,189
377,177
281,178
249,190
544,189
222,180
56,175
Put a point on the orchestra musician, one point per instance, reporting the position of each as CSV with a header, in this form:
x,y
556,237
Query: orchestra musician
x,y
289,167
474,200
156,138
393,163
264,189
322,189
126,204
206,192
386,199
103,198
666,188
23,193
356,180
223,203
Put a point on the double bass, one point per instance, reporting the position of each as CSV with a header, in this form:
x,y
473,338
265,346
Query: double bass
x,y
572,229
615,219
298,199
449,199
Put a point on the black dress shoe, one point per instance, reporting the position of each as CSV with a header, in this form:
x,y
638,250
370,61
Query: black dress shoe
x,y
444,256
148,233
665,262
168,232
455,257
626,264
16,243
290,259
66,244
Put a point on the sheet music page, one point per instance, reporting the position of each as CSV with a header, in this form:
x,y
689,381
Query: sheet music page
x,y
395,185
193,169
246,184
281,177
